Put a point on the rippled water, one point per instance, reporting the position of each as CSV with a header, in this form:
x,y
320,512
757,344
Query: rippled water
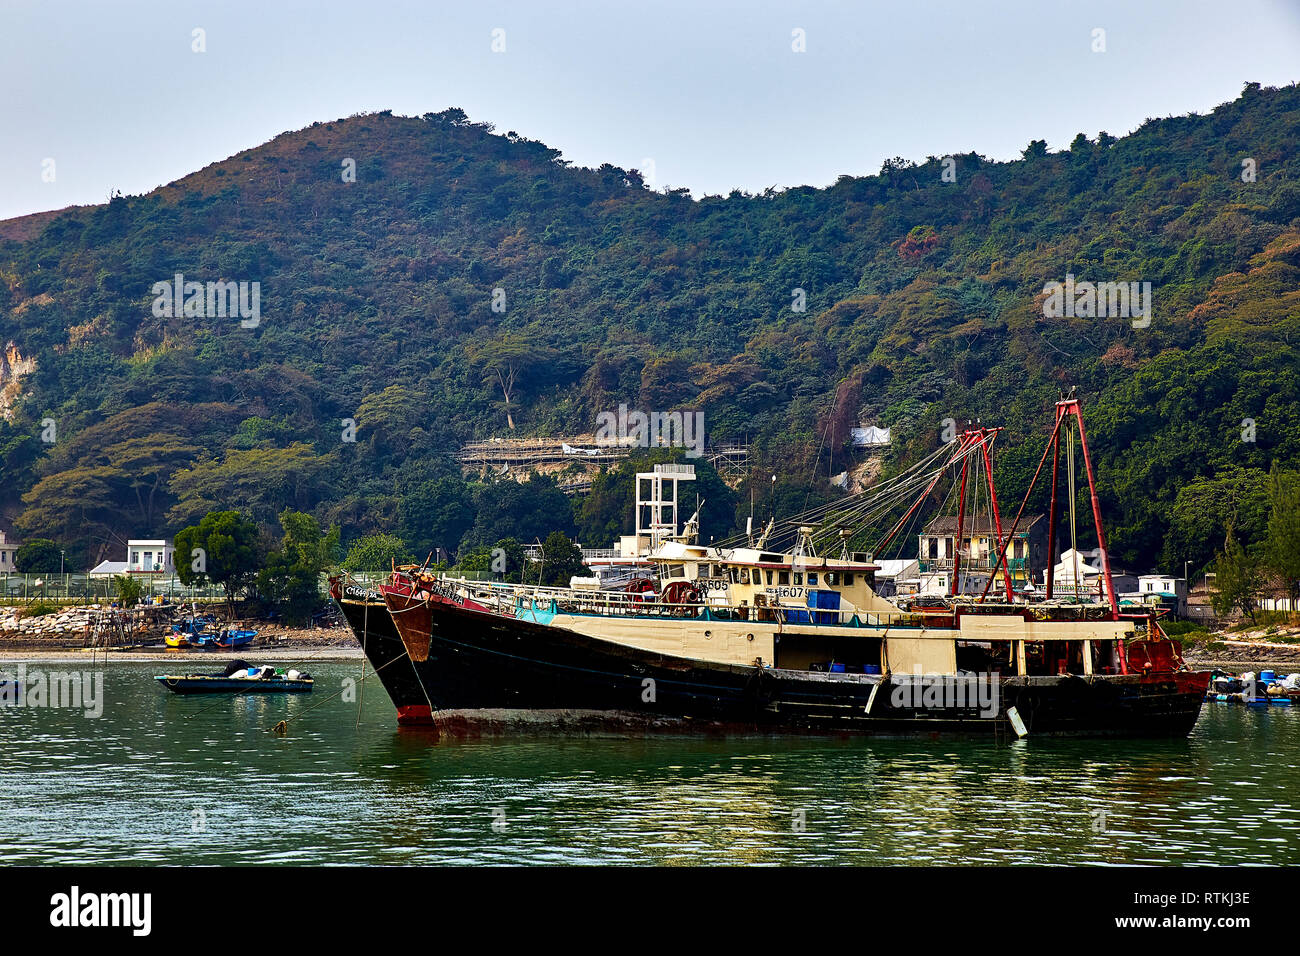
x,y
164,779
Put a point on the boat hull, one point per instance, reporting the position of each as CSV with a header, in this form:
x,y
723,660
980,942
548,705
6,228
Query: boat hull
x,y
378,637
226,685
482,665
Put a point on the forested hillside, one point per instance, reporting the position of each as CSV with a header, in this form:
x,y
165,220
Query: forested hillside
x,y
924,302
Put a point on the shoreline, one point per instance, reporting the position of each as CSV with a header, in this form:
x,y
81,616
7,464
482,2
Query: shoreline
x,y
264,655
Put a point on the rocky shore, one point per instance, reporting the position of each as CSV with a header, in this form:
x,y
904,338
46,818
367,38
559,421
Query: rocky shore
x,y
72,628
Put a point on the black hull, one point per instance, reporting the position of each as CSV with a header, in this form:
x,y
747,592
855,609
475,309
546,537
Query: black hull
x,y
383,647
481,666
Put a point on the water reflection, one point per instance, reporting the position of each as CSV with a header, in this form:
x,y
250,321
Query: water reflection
x,y
165,779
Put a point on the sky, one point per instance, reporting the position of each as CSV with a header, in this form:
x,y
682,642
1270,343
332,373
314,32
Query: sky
x,y
99,96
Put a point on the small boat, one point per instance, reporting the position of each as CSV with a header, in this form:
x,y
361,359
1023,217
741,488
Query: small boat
x,y
239,677
191,632
233,637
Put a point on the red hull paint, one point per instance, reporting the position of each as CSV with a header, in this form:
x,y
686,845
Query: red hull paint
x,y
410,715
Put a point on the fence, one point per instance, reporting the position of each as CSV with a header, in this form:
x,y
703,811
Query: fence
x,y
84,589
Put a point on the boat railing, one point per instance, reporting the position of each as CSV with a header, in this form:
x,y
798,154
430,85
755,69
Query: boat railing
x,y
511,599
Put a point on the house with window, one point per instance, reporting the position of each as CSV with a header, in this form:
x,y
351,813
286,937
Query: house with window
x,y
1159,590
143,556
979,549
8,552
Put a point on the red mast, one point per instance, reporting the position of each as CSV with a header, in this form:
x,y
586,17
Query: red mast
x,y
976,437
1064,409
1072,407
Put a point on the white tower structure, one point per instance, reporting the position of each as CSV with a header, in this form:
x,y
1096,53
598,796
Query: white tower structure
x,y
656,512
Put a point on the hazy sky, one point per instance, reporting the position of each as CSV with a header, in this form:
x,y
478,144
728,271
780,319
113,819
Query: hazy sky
x,y
712,92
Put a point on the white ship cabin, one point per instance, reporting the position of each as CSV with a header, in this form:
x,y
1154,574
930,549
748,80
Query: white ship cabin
x,y
760,579
767,579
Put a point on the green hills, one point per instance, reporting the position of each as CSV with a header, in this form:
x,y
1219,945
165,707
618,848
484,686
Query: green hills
x,y
923,294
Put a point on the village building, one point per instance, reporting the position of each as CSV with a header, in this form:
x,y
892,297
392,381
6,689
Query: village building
x,y
8,554
1158,590
143,556
1079,574
897,577
979,553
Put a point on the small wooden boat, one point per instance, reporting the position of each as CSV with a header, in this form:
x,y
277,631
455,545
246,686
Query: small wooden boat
x,y
191,632
234,637
239,678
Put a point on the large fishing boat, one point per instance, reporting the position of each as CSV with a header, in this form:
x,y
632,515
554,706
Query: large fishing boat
x,y
747,635
366,613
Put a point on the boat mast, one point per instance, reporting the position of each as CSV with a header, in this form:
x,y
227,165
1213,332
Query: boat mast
x,y
973,436
1072,407
1064,409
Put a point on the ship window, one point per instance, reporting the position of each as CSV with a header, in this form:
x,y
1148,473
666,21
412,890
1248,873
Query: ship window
x,y
830,578
812,580
783,577
798,577
848,578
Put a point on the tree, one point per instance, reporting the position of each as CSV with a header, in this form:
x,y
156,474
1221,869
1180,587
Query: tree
x,y
561,560
128,589
437,514
38,556
377,552
1237,576
290,578
503,561
1204,507
221,549
311,547
522,510
289,586
608,510
263,480
1283,541
510,361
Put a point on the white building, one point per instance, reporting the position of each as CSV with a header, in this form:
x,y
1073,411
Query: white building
x,y
1160,589
897,576
150,554
1074,563
143,556
8,552
1087,565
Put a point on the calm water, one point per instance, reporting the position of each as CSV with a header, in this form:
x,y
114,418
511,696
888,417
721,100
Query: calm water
x,y
165,779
